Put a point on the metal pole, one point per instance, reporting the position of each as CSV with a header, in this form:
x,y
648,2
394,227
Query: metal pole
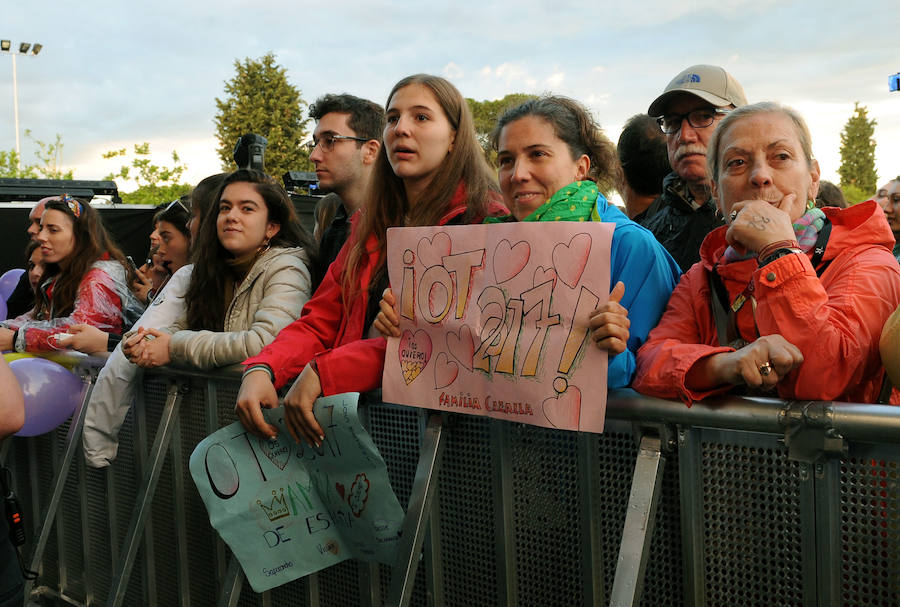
x,y
16,113
640,520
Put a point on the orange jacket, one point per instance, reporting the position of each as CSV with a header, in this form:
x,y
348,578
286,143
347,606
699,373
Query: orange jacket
x,y
835,320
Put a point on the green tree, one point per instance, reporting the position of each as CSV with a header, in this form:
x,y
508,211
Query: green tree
x,y
486,114
857,171
259,99
9,166
49,154
155,184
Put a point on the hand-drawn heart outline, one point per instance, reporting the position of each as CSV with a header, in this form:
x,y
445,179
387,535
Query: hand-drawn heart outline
x,y
275,452
563,410
432,250
541,276
570,259
445,371
423,344
510,259
462,346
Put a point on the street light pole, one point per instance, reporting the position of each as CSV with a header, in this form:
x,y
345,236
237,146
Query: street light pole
x,y
23,49
16,114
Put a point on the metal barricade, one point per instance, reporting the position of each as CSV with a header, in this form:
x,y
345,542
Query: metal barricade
x,y
737,501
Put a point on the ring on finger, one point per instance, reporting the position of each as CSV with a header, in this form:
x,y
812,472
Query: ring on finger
x,y
765,368
733,215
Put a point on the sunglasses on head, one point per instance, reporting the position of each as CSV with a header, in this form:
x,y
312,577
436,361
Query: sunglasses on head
x,y
179,203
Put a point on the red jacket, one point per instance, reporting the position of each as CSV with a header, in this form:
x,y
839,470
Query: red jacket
x,y
835,320
346,362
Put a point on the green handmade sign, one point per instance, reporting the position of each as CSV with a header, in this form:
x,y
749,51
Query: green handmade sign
x,y
287,510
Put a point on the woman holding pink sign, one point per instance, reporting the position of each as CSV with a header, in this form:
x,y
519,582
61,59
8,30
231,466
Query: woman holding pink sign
x,y
552,155
430,171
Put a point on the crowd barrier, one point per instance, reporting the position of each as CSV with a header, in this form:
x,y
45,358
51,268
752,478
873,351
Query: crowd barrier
x,y
734,502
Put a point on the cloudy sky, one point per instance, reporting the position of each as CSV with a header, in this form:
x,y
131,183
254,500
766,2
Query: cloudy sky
x,y
112,74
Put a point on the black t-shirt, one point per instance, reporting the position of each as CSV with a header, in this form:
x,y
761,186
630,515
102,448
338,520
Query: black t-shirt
x,y
21,300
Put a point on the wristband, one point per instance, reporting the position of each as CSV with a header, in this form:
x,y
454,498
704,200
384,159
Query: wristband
x,y
777,254
774,246
259,367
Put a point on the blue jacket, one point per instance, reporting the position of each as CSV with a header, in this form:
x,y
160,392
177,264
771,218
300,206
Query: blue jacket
x,y
649,273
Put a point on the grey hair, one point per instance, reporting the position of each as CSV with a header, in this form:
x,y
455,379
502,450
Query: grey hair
x,y
764,107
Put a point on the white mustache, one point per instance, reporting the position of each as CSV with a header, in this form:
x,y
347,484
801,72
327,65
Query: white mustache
x,y
689,148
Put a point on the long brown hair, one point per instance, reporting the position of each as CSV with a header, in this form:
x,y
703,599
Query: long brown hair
x,y
387,205
205,295
91,242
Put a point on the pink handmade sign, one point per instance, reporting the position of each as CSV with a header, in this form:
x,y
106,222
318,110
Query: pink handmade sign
x,y
494,321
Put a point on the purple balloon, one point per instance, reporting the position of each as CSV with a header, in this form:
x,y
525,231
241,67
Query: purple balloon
x,y
8,282
51,394
3,311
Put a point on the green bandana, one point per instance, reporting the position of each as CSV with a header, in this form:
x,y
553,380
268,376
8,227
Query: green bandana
x,y
574,202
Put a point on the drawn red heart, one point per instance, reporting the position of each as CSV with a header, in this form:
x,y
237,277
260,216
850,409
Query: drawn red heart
x,y
432,250
564,409
462,346
414,353
509,259
340,489
541,276
570,259
445,371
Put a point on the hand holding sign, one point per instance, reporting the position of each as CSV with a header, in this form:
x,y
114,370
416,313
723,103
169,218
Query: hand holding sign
x,y
387,322
609,323
256,393
298,408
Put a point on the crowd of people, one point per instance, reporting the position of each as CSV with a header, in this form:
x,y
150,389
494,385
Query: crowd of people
x,y
734,268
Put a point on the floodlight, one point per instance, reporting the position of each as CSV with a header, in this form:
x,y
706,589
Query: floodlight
x,y
23,48
4,45
36,48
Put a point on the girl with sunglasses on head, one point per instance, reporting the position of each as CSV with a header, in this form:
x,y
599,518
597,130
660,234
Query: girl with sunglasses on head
x,y
84,282
430,171
249,279
174,240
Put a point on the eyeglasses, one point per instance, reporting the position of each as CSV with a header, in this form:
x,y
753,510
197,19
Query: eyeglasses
x,y
327,142
73,205
179,203
699,119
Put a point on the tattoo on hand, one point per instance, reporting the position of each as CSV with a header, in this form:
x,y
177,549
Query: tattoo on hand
x,y
758,222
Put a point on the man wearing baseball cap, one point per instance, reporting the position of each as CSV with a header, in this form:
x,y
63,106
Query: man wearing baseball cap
x,y
688,111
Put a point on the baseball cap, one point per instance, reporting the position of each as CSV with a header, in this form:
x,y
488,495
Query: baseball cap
x,y
709,82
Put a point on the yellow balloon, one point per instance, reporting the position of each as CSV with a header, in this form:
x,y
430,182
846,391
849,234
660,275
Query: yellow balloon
x,y
11,356
65,359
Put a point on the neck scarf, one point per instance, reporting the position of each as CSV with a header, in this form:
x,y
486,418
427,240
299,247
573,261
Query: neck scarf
x,y
806,229
573,202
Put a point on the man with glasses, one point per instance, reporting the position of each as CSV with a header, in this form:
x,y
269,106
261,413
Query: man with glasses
x,y
345,144
687,112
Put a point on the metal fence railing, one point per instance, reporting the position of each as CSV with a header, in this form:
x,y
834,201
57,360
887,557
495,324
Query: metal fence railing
x,y
734,502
